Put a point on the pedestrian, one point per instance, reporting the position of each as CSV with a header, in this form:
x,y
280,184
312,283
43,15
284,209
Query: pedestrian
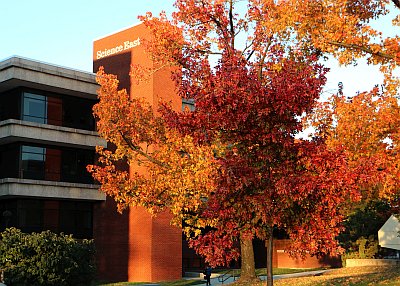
x,y
207,275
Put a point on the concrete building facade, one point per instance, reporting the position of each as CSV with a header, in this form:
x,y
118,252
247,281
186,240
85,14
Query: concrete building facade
x,y
47,137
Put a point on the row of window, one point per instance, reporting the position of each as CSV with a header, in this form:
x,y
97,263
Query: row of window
x,y
42,107
45,163
69,217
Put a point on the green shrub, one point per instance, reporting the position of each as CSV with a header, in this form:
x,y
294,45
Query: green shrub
x,y
45,258
365,248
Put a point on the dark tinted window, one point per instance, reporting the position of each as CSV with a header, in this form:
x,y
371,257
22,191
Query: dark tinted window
x,y
33,162
34,108
76,218
77,113
9,105
70,217
74,164
9,161
8,213
30,215
45,163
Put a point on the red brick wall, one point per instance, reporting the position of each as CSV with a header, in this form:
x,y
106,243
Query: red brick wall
x,y
283,260
149,248
155,248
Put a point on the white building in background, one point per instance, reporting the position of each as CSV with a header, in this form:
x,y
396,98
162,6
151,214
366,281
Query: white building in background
x,y
388,234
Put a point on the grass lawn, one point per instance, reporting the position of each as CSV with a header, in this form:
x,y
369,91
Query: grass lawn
x,y
354,276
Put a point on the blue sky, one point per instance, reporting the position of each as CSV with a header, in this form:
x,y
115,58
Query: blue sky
x,y
62,33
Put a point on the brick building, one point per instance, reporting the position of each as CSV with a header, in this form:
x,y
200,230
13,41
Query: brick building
x,y
152,248
48,137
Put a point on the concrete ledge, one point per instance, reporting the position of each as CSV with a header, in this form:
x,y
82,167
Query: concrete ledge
x,y
11,187
15,130
371,262
34,74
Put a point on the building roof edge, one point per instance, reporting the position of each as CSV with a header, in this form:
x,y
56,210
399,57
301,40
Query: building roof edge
x,y
44,67
118,31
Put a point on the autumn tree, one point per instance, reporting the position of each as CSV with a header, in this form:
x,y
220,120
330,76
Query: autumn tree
x,y
235,174
232,169
367,127
364,124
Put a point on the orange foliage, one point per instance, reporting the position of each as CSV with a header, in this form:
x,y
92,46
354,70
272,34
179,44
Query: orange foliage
x,y
367,126
233,167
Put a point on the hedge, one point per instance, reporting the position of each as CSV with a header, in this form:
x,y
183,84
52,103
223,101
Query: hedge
x,y
45,258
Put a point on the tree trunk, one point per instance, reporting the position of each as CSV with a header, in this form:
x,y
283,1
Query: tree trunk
x,y
269,245
248,268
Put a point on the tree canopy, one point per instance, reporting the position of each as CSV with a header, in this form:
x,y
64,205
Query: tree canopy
x,y
233,168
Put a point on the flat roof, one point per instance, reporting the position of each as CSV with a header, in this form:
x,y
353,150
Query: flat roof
x,y
18,71
44,67
118,31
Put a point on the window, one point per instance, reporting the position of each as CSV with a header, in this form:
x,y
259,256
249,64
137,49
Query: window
x,y
9,105
8,213
188,104
9,163
33,162
70,217
48,108
74,164
30,215
76,218
47,163
77,113
54,111
34,108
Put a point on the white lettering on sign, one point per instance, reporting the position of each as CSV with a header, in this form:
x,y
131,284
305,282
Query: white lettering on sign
x,y
126,45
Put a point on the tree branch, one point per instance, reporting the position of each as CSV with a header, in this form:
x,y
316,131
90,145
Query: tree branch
x,y
262,61
362,48
231,24
144,154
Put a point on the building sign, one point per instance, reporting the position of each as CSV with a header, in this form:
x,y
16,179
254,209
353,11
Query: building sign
x,y
126,45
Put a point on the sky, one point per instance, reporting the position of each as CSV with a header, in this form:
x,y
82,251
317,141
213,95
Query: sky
x,y
62,33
